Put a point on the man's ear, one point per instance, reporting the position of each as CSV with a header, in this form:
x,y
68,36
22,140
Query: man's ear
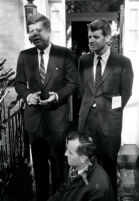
x,y
30,39
49,30
83,158
108,39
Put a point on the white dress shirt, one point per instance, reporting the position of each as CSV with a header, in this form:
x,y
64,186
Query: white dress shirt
x,y
46,59
104,59
45,56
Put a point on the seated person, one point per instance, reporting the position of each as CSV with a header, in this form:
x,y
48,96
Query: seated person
x,y
87,180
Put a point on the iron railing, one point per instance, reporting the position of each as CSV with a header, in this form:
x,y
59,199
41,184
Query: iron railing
x,y
13,150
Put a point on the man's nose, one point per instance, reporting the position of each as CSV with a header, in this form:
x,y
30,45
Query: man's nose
x,y
34,33
66,153
91,40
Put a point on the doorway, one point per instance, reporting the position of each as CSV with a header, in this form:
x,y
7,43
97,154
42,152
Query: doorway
x,y
80,37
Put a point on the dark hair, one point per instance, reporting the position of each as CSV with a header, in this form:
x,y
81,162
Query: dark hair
x,y
101,24
39,18
86,147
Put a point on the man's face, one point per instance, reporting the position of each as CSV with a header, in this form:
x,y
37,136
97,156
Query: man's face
x,y
39,35
73,158
97,41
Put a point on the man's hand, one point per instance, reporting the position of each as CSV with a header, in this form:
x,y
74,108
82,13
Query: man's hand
x,y
34,99
52,99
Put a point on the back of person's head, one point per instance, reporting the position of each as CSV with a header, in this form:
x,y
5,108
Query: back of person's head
x,y
86,147
100,24
33,19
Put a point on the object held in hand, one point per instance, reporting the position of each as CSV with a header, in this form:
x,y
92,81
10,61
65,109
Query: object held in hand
x,y
43,102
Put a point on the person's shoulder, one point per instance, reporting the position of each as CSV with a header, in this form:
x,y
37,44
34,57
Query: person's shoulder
x,y
29,50
99,180
60,48
98,173
99,177
120,57
62,52
86,57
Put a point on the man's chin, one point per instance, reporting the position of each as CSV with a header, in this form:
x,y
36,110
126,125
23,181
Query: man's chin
x,y
38,45
92,49
69,163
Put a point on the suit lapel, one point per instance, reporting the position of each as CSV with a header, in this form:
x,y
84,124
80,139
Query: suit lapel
x,y
107,72
108,69
51,65
90,74
35,66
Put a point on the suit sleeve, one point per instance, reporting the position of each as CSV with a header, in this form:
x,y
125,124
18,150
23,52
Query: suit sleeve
x,y
55,197
126,82
81,77
70,77
20,79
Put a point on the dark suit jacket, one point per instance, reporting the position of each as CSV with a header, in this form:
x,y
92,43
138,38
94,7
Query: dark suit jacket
x,y
61,77
99,188
116,81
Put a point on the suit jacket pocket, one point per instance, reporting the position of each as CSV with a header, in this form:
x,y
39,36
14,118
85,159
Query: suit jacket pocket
x,y
116,116
58,68
58,73
32,116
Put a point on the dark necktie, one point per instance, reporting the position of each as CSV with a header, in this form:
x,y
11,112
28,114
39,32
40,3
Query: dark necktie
x,y
98,73
42,68
73,174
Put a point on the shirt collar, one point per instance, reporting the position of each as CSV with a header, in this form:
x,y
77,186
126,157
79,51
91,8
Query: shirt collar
x,y
81,171
104,56
46,50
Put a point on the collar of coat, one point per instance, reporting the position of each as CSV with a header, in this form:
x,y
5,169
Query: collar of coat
x,y
74,176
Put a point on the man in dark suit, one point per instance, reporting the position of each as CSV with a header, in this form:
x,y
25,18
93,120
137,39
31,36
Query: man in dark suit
x,y
105,84
46,77
87,180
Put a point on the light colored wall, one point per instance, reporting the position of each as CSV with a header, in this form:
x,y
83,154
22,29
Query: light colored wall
x,y
130,134
12,38
11,30
58,21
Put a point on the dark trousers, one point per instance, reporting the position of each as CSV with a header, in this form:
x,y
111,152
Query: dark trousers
x,y
48,162
102,142
40,153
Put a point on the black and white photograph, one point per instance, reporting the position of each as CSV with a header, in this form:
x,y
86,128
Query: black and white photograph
x,y
69,100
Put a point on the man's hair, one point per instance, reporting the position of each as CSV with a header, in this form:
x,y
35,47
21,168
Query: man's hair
x,y
33,19
86,147
100,24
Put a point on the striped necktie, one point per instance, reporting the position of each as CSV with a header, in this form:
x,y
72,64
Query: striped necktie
x,y
98,73
42,68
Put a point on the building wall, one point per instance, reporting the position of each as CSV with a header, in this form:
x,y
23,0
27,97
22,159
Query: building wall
x,y
11,39
130,134
11,30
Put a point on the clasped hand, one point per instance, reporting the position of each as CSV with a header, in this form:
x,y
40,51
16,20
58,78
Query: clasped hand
x,y
34,99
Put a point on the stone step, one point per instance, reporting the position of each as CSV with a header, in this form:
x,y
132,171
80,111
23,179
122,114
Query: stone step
x,y
128,156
